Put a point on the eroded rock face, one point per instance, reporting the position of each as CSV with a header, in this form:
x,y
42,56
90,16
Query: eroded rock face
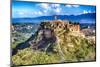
x,y
42,39
45,37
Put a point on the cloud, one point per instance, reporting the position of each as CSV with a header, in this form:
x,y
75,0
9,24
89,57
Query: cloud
x,y
21,13
43,5
58,10
75,5
30,13
89,11
36,13
68,6
55,5
72,6
49,8
85,11
40,13
45,11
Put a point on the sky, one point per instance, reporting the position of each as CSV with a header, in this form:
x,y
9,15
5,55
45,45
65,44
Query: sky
x,y
90,2
22,9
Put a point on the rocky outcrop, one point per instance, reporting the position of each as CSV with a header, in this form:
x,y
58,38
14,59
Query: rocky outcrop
x,y
48,34
42,39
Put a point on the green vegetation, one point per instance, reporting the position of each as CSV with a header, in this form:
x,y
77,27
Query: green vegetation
x,y
18,38
70,48
82,51
28,56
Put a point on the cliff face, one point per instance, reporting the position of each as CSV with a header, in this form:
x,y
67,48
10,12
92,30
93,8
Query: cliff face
x,y
48,34
54,42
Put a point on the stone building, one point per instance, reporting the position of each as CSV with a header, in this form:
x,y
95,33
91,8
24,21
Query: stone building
x,y
74,27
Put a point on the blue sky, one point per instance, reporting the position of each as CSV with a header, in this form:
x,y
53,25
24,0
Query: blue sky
x,y
34,9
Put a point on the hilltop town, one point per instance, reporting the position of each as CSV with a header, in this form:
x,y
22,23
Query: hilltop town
x,y
57,25
63,39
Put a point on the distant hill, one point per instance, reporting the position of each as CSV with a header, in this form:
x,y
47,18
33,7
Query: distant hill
x,y
88,18
64,17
